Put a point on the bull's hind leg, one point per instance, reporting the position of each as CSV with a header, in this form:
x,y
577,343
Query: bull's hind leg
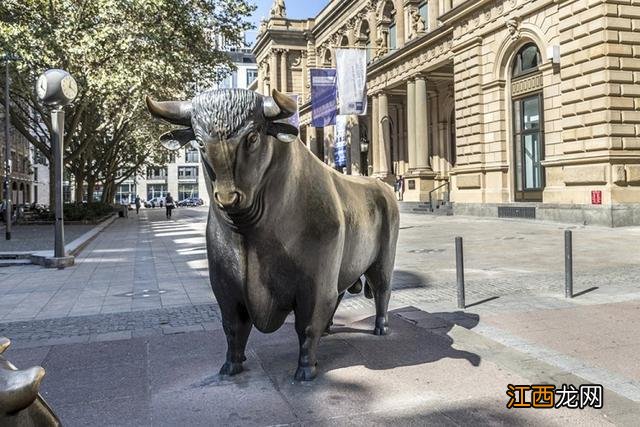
x,y
237,327
379,279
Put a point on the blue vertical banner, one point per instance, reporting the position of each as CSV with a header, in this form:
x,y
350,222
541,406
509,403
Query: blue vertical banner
x,y
340,143
324,96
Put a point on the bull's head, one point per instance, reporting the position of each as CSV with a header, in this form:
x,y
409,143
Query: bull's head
x,y
238,132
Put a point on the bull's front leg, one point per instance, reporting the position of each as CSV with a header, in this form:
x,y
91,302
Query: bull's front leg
x,y
237,327
312,317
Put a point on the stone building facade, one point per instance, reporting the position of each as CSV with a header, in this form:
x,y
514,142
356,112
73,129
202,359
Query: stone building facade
x,y
504,107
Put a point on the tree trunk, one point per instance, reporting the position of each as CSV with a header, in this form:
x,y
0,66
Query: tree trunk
x,y
91,186
79,189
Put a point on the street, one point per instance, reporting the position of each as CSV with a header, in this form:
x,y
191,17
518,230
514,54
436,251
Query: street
x,y
131,335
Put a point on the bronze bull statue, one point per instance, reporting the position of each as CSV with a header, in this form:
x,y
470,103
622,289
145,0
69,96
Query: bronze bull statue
x,y
20,403
285,231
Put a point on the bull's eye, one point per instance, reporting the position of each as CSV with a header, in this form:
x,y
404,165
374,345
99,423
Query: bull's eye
x,y
252,139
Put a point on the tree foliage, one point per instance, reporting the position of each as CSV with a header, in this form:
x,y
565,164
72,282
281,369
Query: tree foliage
x,y
119,52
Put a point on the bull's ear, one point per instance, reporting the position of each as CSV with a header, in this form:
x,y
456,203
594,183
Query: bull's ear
x,y
177,139
283,131
23,388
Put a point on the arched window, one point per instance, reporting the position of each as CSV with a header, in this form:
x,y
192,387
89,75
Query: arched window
x,y
388,23
528,129
364,38
527,60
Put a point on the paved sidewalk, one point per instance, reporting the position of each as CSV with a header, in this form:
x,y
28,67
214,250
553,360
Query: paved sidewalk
x,y
32,238
426,372
138,263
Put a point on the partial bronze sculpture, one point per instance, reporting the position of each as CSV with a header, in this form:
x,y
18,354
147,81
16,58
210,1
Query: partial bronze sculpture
x,y
20,403
285,231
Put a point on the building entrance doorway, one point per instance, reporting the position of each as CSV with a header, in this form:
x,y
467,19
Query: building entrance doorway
x,y
528,150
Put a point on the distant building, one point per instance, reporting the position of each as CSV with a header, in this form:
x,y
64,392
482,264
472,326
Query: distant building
x,y
29,178
183,177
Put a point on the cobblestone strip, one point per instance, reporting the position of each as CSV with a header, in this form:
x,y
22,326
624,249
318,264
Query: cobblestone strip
x,y
105,327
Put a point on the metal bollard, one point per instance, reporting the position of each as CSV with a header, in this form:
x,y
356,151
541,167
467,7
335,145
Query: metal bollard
x,y
460,273
568,264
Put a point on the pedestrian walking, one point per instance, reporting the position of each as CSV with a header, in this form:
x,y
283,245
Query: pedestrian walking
x,y
169,203
138,205
399,187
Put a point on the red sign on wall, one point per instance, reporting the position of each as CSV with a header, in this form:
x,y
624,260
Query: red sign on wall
x,y
596,197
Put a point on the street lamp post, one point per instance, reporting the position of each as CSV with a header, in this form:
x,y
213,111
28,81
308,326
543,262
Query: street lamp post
x,y
7,147
57,88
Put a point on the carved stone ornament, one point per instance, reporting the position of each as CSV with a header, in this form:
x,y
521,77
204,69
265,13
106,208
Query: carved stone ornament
x,y
279,10
514,31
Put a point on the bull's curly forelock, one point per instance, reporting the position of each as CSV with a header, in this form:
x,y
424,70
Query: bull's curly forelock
x,y
223,112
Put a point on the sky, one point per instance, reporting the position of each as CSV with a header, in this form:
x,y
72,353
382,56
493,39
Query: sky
x,y
296,9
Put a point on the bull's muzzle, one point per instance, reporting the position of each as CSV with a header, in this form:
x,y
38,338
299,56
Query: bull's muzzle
x,y
227,200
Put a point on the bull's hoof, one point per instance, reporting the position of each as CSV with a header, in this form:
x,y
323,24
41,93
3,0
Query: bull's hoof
x,y
306,373
381,330
231,368
382,327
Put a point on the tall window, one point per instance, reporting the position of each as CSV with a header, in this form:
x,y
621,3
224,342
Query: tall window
x,y
187,191
156,190
191,155
187,172
528,129
393,37
156,172
252,74
424,13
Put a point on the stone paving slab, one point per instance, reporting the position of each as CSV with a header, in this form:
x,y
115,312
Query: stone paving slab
x,y
414,376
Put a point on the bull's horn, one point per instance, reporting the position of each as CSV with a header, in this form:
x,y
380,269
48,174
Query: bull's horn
x,y
271,109
4,344
288,105
175,112
279,106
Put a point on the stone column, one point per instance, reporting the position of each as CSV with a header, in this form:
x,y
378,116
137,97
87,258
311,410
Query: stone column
x,y
273,70
433,16
375,134
442,143
384,146
305,77
400,36
284,70
411,122
422,125
402,152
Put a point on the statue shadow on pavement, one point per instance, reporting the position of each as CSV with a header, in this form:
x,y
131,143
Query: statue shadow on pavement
x,y
416,338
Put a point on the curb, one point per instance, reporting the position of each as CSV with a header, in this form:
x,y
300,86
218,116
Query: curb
x,y
46,258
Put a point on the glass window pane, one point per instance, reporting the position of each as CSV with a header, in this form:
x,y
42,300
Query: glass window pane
x,y
533,171
392,37
530,58
531,113
518,159
424,13
517,117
